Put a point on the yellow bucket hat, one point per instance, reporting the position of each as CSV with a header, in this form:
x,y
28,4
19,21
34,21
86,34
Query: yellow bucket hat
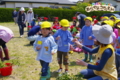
x,y
104,18
117,21
113,17
45,24
65,23
109,22
88,18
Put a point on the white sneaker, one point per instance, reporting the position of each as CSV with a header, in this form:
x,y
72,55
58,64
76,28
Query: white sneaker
x,y
59,70
21,35
66,72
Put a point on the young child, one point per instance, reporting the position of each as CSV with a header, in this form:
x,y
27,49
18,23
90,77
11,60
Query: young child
x,y
95,20
56,24
6,35
33,23
46,47
45,19
87,37
64,37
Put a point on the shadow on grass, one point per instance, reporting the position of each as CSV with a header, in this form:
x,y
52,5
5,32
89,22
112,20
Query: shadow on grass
x,y
28,45
73,63
53,75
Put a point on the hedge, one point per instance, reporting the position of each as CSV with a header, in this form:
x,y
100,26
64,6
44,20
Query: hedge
x,y
6,13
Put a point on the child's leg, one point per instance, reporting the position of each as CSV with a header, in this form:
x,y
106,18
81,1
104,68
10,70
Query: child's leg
x,y
5,49
90,55
65,60
45,66
1,55
86,55
59,58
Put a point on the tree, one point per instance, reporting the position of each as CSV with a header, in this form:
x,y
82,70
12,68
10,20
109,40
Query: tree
x,y
82,6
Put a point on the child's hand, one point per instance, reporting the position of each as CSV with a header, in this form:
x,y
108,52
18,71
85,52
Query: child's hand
x,y
90,37
80,62
58,38
52,53
75,39
38,48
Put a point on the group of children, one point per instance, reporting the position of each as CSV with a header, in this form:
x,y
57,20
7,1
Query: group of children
x,y
60,39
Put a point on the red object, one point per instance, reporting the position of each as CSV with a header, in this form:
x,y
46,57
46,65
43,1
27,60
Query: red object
x,y
6,71
95,21
74,18
56,18
94,16
45,18
29,26
39,18
101,17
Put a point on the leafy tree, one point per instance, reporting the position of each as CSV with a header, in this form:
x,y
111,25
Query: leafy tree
x,y
82,6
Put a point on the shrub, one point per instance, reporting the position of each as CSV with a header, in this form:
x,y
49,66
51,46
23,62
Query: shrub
x,y
6,13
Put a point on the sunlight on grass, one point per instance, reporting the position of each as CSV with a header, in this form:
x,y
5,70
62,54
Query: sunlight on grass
x,y
23,57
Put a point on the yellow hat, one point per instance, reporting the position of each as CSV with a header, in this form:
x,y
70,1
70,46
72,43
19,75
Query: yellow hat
x,y
117,21
109,22
45,24
65,23
113,17
88,18
104,18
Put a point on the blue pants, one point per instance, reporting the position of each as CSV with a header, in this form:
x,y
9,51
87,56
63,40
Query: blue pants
x,y
89,74
45,67
21,28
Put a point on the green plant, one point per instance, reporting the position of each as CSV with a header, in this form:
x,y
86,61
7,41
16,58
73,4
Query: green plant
x,y
41,7
2,64
70,77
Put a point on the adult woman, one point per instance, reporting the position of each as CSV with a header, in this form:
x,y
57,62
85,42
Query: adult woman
x,y
30,17
105,68
21,20
5,35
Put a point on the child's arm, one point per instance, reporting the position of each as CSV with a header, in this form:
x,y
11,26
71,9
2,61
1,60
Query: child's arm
x,y
54,46
35,45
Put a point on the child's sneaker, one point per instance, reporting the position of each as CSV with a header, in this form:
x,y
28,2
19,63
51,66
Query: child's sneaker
x,y
66,71
59,70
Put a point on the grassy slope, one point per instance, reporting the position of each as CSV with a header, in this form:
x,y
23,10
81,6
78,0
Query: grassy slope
x,y
25,66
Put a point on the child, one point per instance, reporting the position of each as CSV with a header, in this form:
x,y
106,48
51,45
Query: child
x,y
74,23
53,31
56,23
64,38
95,20
39,20
5,36
87,37
45,19
77,49
46,47
33,23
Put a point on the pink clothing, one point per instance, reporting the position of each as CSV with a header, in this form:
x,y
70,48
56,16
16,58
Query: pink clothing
x,y
116,32
5,33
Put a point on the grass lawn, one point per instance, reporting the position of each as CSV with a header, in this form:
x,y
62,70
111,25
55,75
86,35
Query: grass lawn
x,y
24,58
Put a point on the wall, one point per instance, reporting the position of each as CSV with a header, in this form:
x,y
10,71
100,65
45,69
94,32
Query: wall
x,y
10,5
2,6
27,5
38,5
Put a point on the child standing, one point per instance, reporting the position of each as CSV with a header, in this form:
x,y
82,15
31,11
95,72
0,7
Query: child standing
x,y
64,37
46,47
87,37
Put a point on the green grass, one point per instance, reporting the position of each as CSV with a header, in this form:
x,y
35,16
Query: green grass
x,y
24,58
